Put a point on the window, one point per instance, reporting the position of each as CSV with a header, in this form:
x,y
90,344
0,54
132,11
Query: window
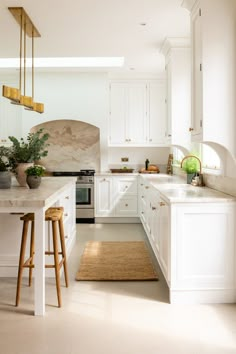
x,y
178,155
210,159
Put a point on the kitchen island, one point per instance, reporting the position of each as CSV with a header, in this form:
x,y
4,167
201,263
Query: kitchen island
x,y
53,191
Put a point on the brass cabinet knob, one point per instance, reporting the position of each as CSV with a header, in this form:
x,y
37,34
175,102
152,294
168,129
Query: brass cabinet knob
x,y
153,208
190,129
162,204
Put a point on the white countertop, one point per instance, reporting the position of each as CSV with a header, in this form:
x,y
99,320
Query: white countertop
x,y
108,173
17,196
174,189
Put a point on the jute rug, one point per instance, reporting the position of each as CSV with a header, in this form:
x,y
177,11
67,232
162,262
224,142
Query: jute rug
x,y
116,261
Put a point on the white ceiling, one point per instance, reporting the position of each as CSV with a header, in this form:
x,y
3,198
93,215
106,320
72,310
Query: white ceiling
x,y
74,28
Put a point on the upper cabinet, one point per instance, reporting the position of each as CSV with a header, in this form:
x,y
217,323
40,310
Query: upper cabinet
x,y
137,113
214,67
178,90
10,120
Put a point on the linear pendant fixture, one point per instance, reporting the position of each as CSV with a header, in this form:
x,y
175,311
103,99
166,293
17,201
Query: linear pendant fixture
x,y
15,94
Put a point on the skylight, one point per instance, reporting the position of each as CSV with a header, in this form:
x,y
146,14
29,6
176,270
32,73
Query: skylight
x,y
67,62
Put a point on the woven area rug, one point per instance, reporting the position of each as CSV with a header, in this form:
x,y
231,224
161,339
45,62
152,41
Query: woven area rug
x,y
116,261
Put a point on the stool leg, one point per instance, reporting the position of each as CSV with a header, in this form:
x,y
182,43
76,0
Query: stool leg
x,y
31,253
21,260
63,249
56,261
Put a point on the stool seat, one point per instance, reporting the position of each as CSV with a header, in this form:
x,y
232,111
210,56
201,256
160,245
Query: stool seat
x,y
55,216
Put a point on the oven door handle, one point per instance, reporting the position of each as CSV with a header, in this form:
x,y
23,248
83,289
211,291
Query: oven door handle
x,y
84,185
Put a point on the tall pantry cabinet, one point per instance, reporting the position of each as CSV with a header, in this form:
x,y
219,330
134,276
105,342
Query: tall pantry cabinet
x,y
213,71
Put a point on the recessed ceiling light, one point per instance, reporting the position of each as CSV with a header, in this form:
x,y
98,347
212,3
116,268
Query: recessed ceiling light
x,y
67,62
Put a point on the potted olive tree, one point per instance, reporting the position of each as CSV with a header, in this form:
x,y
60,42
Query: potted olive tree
x,y
25,153
5,175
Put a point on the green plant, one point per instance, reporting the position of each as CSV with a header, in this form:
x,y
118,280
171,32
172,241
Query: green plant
x,y
5,154
30,150
191,165
36,170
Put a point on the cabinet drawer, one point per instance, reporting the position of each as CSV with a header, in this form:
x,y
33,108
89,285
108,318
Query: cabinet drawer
x,y
127,206
127,185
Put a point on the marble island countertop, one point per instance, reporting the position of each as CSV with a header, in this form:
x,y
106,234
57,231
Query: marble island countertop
x,y
18,196
174,189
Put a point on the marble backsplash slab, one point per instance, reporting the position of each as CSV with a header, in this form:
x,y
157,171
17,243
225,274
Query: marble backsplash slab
x,y
74,145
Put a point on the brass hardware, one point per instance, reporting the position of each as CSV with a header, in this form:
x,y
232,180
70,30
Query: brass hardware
x,y
153,208
190,129
162,204
124,159
146,187
126,205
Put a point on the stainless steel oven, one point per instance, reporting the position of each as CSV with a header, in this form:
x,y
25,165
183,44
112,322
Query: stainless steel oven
x,y
84,194
85,199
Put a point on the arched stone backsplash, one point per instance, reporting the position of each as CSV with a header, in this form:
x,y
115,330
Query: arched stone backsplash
x,y
74,145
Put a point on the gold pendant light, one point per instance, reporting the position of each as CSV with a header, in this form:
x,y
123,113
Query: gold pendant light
x,y
14,94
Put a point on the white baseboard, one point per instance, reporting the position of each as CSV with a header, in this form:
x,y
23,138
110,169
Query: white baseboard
x,y
210,296
111,220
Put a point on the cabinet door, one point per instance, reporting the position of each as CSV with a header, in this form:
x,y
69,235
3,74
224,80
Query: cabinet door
x,y
103,196
164,238
197,83
118,113
157,113
137,113
204,247
155,221
10,120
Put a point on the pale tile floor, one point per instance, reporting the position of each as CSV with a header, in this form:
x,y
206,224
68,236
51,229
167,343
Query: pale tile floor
x,y
112,317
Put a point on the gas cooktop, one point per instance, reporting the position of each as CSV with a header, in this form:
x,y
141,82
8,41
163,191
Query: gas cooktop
x,y
74,173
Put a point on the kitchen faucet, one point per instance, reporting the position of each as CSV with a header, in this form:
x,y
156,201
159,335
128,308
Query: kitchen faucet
x,y
200,179
187,156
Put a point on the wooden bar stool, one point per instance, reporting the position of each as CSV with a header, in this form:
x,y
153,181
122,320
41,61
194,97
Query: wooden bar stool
x,y
55,216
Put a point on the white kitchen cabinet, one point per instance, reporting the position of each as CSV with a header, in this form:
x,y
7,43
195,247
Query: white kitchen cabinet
x,y
154,215
203,253
10,120
213,68
164,238
125,195
137,113
116,196
67,201
156,123
103,196
178,90
194,244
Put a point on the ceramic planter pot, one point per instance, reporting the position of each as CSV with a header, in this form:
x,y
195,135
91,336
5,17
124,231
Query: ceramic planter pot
x,y
33,181
20,173
190,177
5,180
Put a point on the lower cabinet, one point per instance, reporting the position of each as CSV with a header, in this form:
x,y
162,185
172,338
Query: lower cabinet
x,y
116,196
203,252
194,244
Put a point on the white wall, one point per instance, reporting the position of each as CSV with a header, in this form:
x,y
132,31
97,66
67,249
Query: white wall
x,y
80,96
